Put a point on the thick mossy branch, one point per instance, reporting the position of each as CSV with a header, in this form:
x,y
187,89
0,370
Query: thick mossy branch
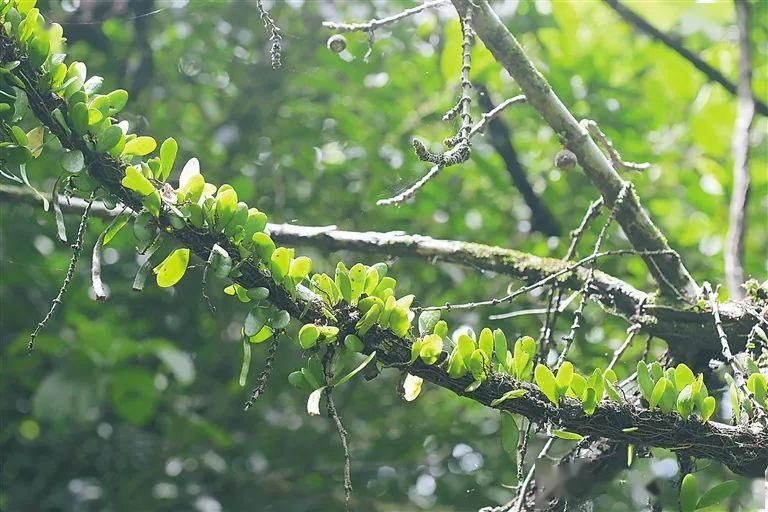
x,y
743,449
687,331
667,270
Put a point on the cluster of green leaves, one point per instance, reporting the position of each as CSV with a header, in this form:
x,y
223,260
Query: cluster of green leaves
x,y
568,382
675,389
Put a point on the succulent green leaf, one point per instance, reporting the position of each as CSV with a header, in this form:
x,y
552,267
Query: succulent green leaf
x,y
683,376
357,276
256,319
300,268
568,436
717,494
500,347
297,380
510,433
689,493
140,146
172,268
578,385
117,100
509,395
258,293
589,402
545,379
368,320
344,284
668,399
279,319
264,246
78,117
456,366
246,363
308,336
427,321
415,350
371,280
644,380
758,385
73,161
685,402
478,364
137,182
358,369
466,347
431,348
441,329
707,408
226,205
280,263
399,322
168,151
658,392
353,343
563,378
485,341
109,138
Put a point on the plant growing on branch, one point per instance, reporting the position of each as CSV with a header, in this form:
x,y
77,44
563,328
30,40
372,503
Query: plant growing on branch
x,y
355,319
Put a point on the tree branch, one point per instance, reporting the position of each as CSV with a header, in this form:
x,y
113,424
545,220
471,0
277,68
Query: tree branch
x,y
687,331
745,114
713,74
669,272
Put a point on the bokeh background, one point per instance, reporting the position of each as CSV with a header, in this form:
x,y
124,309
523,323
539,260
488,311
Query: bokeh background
x,y
134,404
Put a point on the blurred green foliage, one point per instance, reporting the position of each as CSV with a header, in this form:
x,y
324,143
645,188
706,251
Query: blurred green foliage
x,y
135,404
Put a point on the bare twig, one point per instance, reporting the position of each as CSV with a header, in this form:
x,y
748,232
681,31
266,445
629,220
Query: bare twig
x,y
411,191
459,144
713,74
745,114
204,284
372,25
274,35
632,330
739,373
585,289
263,380
556,293
77,248
492,114
538,284
333,413
618,162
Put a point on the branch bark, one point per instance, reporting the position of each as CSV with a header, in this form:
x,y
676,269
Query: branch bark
x,y
688,332
745,114
667,270
710,72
